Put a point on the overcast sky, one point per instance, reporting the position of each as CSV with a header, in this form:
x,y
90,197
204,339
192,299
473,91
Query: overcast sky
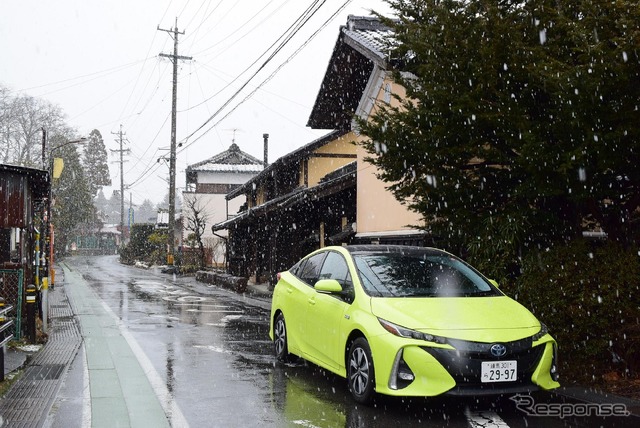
x,y
98,60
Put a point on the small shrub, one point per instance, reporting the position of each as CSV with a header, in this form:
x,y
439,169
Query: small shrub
x,y
146,244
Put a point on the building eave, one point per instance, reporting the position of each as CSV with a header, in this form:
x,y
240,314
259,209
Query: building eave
x,y
324,189
293,156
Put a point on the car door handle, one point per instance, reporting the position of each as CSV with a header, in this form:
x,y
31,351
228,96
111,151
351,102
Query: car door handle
x,y
289,290
311,301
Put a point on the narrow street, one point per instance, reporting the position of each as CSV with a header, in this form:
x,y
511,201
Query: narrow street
x,y
209,353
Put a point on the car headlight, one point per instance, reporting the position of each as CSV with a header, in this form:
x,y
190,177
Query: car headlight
x,y
543,331
408,333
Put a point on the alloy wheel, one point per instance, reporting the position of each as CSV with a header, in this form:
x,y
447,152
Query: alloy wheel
x,y
280,338
360,371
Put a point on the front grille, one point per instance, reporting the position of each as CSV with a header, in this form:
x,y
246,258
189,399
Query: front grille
x,y
464,363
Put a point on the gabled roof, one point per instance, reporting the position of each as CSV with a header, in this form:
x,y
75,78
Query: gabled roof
x,y
231,160
358,49
294,156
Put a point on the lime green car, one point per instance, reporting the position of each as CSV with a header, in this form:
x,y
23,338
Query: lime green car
x,y
408,321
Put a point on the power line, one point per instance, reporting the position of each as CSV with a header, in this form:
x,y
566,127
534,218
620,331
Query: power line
x,y
106,72
344,5
239,28
287,35
148,169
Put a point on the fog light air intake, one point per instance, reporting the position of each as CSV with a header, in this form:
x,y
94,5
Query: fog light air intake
x,y
554,364
401,374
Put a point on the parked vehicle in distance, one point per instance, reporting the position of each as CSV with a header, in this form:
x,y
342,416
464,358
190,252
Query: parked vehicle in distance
x,y
408,321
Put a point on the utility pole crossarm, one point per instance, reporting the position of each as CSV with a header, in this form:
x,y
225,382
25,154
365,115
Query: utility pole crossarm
x,y
174,57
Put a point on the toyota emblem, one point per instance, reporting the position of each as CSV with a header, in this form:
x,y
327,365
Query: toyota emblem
x,y
498,350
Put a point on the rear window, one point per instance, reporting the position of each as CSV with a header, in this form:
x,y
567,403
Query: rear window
x,y
418,274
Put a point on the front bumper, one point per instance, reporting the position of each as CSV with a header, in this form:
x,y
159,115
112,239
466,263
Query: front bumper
x,y
455,368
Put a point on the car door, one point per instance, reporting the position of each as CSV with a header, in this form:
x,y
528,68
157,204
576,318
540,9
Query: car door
x,y
299,294
325,313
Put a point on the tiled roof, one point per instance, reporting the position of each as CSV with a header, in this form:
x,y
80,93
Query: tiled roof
x,y
231,160
368,32
294,156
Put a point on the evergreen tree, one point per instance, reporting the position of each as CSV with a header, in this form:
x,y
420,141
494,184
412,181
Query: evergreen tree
x,y
101,203
112,213
95,162
73,212
520,123
165,203
146,213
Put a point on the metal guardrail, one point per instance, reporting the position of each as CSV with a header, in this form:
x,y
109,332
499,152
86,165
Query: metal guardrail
x,y
4,325
11,290
5,338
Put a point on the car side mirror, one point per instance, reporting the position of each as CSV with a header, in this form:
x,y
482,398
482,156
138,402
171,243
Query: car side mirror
x,y
494,282
328,286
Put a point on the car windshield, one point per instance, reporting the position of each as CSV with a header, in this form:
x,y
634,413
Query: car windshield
x,y
419,274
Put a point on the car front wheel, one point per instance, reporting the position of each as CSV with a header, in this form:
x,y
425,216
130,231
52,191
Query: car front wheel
x,y
280,339
360,375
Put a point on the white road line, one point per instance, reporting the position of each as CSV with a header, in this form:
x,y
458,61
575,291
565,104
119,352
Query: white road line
x,y
171,409
86,392
484,419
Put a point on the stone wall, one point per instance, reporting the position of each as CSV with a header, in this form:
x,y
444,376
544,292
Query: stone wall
x,y
224,280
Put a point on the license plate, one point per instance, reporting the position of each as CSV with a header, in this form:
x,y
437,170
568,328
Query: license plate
x,y
499,371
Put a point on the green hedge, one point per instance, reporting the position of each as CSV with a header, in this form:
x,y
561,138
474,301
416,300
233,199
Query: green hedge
x,y
588,294
146,244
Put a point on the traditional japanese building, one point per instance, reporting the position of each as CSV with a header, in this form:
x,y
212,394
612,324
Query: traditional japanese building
x,y
302,201
325,193
208,182
358,78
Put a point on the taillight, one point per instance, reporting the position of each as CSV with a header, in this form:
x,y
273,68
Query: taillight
x,y
278,275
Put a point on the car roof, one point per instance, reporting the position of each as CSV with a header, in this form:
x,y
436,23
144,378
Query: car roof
x,y
399,249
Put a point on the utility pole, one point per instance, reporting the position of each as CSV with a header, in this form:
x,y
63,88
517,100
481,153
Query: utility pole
x,y
172,157
121,151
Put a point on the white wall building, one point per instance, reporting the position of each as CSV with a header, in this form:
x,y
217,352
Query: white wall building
x,y
208,182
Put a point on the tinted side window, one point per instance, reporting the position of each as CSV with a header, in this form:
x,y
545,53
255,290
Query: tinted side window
x,y
310,271
297,268
335,267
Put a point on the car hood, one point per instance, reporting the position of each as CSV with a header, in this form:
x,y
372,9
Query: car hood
x,y
469,318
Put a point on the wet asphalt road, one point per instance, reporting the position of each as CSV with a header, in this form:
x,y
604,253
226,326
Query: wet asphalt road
x,y
213,351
